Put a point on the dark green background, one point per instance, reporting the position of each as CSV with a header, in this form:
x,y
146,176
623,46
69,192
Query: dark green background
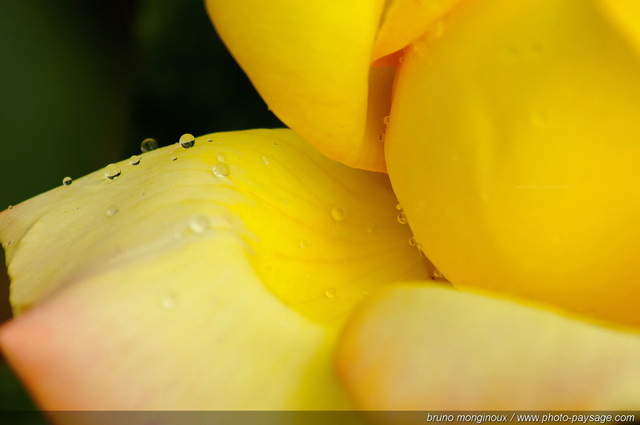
x,y
82,83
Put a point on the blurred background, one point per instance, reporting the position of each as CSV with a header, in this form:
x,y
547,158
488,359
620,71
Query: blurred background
x,y
83,83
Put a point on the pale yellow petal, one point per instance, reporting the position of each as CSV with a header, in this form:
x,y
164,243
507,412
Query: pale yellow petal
x,y
427,347
513,147
213,277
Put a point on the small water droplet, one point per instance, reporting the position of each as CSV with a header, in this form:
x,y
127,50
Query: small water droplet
x,y
437,275
187,140
169,301
209,140
265,160
381,137
331,293
338,213
199,224
112,171
385,120
134,160
67,181
221,169
10,207
399,207
148,144
421,251
112,210
303,244
369,227
173,157
537,118
221,157
402,218
413,241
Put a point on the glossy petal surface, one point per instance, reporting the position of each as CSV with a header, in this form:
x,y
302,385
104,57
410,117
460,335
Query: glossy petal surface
x,y
212,277
310,62
514,150
432,347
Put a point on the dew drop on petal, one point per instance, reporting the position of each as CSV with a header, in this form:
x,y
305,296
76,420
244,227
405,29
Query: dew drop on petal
x,y
338,213
209,140
413,241
437,275
134,160
112,171
67,181
399,207
221,169
148,144
265,160
168,301
10,207
112,210
173,157
421,251
187,140
221,157
331,293
199,224
385,120
402,218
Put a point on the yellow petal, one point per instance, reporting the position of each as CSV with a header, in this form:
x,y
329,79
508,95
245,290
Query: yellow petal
x,y
310,62
213,277
513,148
406,20
435,348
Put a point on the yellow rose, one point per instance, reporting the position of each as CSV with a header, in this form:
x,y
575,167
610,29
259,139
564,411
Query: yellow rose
x,y
248,271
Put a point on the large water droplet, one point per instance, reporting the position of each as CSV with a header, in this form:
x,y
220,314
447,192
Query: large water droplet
x,y
148,144
331,293
67,181
111,171
338,213
187,140
199,224
134,160
112,210
402,218
221,169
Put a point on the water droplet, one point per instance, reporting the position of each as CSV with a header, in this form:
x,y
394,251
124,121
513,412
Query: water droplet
x,y
369,227
265,160
134,160
437,275
437,30
112,210
199,224
381,137
221,169
10,207
67,181
111,171
303,243
402,218
169,301
173,157
399,207
187,140
331,293
385,120
413,241
209,140
537,118
148,144
221,157
421,251
338,213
